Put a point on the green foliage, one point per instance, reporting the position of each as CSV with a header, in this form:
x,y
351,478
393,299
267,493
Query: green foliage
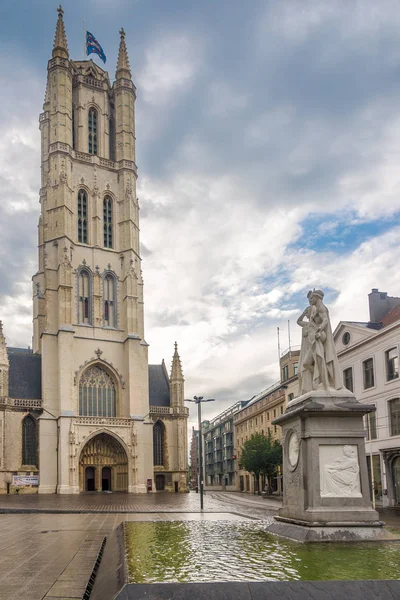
x,y
261,455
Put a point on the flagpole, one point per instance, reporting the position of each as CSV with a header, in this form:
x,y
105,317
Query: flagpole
x,y
84,38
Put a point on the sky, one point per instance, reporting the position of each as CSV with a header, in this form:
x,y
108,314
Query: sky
x,y
268,147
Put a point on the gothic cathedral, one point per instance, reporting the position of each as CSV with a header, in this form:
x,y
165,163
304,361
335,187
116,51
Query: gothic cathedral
x,y
83,410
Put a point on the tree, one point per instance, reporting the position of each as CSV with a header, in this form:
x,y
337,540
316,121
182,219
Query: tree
x,y
261,455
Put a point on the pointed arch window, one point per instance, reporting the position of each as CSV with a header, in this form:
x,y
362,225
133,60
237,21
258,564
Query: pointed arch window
x,y
29,441
92,131
109,300
97,393
108,222
158,444
82,217
84,296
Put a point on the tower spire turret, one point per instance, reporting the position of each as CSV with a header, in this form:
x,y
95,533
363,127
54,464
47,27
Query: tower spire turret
x,y
4,364
123,66
60,46
176,369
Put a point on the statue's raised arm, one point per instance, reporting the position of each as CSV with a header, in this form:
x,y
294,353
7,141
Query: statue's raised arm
x,y
318,363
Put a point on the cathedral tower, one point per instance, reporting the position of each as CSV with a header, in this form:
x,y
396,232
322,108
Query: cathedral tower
x,y
88,291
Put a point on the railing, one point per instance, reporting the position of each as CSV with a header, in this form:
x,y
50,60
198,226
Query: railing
x,y
83,156
114,421
59,146
22,402
160,410
104,162
291,349
93,82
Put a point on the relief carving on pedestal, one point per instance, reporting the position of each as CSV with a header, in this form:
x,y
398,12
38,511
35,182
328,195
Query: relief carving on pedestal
x,y
339,471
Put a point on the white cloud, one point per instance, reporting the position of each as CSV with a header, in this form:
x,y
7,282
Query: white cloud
x,y
171,63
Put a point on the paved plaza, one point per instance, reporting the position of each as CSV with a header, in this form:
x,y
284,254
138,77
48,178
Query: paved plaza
x,y
49,543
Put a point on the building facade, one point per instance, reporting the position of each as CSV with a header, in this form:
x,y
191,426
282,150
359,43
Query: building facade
x,y
219,453
257,417
84,411
368,354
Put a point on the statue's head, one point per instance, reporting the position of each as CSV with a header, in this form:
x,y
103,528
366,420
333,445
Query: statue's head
x,y
316,295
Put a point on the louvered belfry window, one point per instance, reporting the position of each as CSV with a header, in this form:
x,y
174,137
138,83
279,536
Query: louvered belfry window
x,y
109,300
84,297
97,394
108,222
92,131
82,217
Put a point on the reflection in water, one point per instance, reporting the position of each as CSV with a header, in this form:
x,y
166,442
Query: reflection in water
x,y
234,551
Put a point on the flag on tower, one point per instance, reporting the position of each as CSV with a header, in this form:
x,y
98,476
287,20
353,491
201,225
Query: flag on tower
x,y
92,45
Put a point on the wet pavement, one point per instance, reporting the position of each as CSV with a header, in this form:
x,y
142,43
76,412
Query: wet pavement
x,y
49,543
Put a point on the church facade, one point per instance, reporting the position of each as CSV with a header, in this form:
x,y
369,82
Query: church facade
x,y
83,410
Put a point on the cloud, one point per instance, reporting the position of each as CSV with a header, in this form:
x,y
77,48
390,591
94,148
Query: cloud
x,y
268,152
171,63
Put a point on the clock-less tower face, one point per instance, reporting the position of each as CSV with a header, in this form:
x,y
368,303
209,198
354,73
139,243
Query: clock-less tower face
x,y
293,450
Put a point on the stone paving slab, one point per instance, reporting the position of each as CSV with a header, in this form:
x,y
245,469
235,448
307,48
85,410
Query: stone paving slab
x,y
288,590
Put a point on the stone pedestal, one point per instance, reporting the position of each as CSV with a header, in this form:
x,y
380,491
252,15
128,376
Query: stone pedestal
x,y
326,494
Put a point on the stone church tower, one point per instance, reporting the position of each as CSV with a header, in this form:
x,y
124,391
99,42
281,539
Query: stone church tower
x,y
106,419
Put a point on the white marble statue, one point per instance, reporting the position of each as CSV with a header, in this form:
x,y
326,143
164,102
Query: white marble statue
x,y
340,478
318,363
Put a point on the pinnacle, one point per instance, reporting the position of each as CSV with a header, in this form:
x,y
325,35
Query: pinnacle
x,y
60,47
123,66
176,369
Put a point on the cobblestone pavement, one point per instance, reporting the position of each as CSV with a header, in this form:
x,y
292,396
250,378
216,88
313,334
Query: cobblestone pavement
x,y
48,555
118,502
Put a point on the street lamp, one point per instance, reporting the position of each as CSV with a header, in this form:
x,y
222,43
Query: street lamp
x,y
198,400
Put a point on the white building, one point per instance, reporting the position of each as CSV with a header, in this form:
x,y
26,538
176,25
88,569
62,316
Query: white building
x,y
369,356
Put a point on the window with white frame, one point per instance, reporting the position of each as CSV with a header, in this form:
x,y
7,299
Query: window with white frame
x,y
371,425
348,379
392,363
368,373
394,416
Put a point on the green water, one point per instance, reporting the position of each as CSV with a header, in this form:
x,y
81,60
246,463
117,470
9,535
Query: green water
x,y
243,551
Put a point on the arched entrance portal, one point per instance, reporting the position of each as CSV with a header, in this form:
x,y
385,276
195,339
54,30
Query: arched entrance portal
x,y
103,465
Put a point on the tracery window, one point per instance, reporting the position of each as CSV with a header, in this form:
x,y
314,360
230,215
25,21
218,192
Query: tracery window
x,y
158,444
97,394
84,296
109,303
29,441
82,217
108,222
92,131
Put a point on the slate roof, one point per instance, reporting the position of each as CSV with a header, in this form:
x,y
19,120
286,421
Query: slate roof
x,y
25,378
158,386
25,374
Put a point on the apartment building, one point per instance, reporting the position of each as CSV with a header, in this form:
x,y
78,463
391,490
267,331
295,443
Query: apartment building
x,y
219,454
368,354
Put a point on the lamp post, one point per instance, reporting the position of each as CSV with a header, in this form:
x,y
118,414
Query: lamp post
x,y
198,400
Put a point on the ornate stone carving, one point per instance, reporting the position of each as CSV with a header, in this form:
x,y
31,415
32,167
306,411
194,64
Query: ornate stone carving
x,y
339,471
100,360
293,449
